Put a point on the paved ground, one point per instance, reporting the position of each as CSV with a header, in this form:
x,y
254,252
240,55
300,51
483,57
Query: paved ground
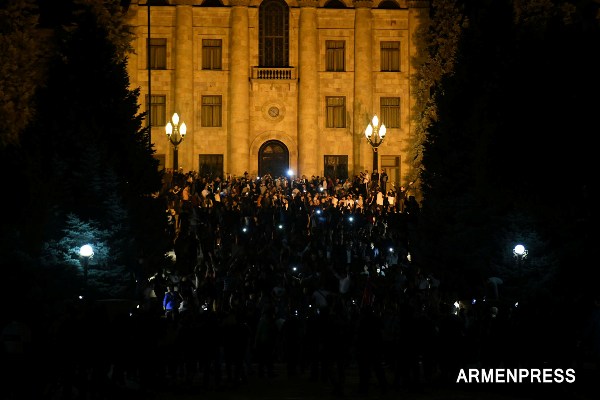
x,y
281,387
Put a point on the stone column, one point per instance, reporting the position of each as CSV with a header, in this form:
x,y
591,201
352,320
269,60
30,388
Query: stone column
x,y
184,84
308,79
363,85
238,142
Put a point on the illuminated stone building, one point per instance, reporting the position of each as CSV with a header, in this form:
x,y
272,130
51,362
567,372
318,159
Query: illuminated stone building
x,y
267,85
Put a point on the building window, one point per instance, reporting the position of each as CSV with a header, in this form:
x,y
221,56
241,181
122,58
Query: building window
x,y
336,55
273,40
211,110
157,110
211,3
388,5
390,56
336,167
212,50
390,111
336,111
211,165
334,4
157,49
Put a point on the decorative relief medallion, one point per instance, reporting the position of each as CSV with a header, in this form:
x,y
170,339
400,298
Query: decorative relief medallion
x,y
273,111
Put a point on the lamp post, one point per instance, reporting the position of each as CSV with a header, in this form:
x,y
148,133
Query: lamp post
x,y
520,253
375,134
86,252
175,132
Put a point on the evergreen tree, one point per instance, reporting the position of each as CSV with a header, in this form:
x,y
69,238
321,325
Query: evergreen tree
x,y
508,153
437,38
21,67
88,154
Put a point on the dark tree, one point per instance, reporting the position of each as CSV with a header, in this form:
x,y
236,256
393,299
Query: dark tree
x,y
86,155
509,154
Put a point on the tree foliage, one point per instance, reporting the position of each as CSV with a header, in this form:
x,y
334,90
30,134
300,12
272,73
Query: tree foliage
x,y
507,151
107,277
86,166
21,66
437,38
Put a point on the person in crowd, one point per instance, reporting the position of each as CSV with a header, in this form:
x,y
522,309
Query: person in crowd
x,y
369,350
374,181
275,270
383,180
264,342
171,301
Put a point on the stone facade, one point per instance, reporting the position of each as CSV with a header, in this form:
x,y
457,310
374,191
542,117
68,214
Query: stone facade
x,y
261,104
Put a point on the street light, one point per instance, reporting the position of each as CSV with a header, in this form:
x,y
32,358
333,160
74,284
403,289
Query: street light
x,y
375,134
520,253
86,252
175,132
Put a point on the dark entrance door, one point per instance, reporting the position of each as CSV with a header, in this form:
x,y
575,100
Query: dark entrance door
x,y
273,158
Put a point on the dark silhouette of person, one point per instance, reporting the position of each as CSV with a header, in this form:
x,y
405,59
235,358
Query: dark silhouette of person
x,y
369,352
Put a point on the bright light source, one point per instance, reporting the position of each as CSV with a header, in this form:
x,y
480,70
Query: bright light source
x,y
290,172
86,251
244,229
351,219
375,120
519,250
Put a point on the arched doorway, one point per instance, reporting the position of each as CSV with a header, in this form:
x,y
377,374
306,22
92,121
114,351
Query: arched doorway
x,y
273,158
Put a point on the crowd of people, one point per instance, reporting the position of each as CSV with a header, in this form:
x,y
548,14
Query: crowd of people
x,y
314,274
